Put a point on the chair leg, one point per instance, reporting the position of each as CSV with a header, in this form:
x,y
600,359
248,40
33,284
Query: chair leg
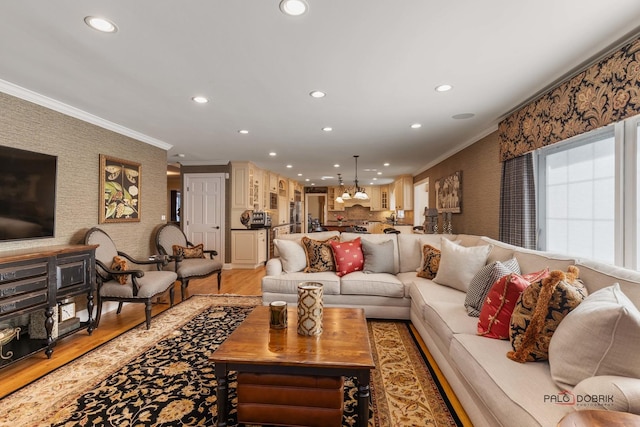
x,y
147,312
184,285
119,307
219,279
172,292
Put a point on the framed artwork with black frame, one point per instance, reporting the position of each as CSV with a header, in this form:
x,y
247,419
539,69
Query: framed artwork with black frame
x,y
120,190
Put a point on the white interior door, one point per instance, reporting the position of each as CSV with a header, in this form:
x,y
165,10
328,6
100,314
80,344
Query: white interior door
x,y
203,210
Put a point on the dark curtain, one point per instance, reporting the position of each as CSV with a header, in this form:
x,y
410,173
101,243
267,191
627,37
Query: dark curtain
x,y
518,202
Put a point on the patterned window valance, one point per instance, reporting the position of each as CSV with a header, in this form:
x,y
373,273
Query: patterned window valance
x,y
606,92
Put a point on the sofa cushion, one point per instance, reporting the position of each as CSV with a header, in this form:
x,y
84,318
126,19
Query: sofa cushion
x,y
297,237
597,275
484,280
319,255
539,311
430,262
501,251
347,256
602,333
292,255
531,261
495,314
378,256
377,238
381,284
625,392
410,248
288,283
513,392
458,264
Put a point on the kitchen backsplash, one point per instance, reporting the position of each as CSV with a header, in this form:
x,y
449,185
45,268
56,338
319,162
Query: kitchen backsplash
x,y
361,213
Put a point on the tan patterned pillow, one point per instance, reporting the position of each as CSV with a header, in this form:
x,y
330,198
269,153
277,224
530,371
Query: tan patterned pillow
x,y
319,254
120,264
192,252
539,310
430,262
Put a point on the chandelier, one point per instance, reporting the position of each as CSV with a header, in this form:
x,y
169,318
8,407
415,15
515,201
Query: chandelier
x,y
358,192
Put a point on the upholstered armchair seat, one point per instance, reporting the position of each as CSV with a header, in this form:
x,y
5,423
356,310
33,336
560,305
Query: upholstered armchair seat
x,y
169,236
149,285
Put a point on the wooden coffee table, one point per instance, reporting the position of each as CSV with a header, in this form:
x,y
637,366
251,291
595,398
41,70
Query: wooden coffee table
x,y
342,349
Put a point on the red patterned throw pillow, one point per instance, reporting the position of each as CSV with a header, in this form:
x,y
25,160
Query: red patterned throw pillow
x,y
495,315
348,256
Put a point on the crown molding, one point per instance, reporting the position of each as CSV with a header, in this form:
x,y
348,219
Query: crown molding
x,y
60,107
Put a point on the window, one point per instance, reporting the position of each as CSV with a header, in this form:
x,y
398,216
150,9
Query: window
x,y
588,188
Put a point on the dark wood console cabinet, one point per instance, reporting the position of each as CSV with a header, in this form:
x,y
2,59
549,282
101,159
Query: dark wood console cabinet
x,y
36,280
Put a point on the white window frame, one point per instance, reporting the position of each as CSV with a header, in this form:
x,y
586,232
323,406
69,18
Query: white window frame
x,y
541,164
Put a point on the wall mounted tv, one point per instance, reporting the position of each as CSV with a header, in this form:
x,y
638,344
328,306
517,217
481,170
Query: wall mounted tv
x,y
27,194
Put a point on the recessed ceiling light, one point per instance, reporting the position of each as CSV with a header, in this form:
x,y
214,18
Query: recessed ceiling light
x,y
289,166
272,154
180,155
243,131
327,129
299,174
293,7
200,99
317,94
336,165
443,88
379,173
416,126
101,24
307,179
386,164
463,116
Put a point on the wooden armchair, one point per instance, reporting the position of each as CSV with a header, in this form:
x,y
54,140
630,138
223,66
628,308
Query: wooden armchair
x,y
136,286
186,268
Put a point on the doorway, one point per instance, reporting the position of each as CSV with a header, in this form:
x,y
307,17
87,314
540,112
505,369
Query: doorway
x,y
203,210
420,201
315,206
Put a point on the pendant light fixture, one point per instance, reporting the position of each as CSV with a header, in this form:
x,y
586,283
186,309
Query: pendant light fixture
x,y
339,198
359,192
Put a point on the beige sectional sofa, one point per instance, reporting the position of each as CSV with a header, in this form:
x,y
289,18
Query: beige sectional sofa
x,y
494,390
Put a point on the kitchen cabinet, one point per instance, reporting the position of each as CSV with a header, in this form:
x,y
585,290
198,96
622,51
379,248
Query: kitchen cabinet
x,y
332,205
273,182
402,196
379,196
248,248
242,185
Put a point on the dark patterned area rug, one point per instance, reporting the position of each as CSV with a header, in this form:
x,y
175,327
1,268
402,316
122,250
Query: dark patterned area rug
x,y
163,377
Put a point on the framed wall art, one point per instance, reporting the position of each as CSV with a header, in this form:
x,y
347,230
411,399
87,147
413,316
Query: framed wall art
x,y
449,193
120,190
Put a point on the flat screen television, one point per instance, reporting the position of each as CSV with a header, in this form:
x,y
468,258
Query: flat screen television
x,y
27,194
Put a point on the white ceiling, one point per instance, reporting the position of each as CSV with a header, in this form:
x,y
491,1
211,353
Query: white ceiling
x,y
378,61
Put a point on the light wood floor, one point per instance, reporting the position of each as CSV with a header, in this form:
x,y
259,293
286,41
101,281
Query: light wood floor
x,y
13,377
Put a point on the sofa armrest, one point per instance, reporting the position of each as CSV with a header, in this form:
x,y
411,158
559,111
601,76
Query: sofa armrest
x,y
620,393
274,267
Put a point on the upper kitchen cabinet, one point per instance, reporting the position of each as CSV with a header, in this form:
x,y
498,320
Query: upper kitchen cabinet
x,y
379,196
243,185
332,205
402,194
273,182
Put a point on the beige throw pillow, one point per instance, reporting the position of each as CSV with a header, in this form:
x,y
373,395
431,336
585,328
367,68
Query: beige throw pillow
x,y
458,264
599,337
292,255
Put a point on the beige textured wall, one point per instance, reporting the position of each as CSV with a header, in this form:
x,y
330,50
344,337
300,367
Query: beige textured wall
x,y
481,175
78,145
